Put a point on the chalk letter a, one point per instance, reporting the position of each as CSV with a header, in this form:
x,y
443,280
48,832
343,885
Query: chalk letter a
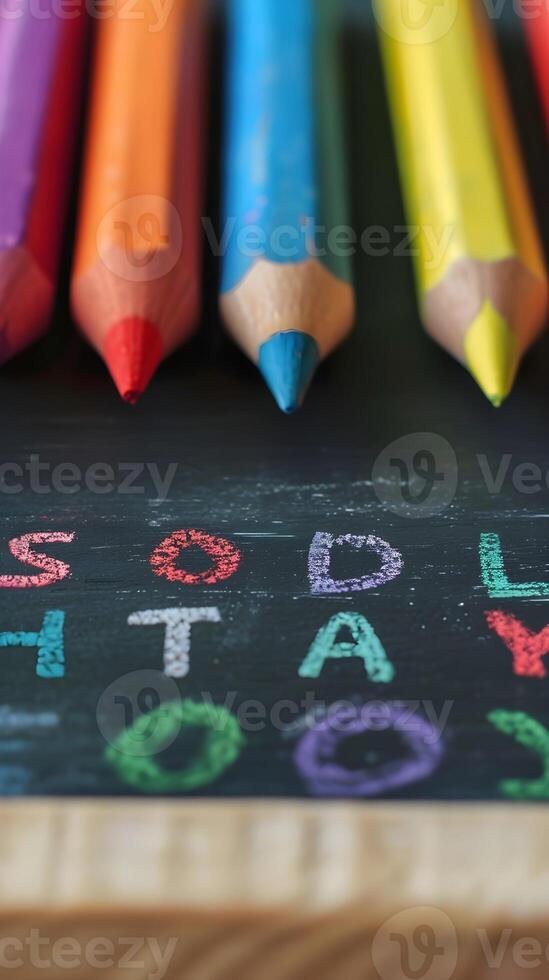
x,y
366,645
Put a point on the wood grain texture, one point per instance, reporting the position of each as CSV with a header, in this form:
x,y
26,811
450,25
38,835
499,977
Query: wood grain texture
x,y
277,890
254,859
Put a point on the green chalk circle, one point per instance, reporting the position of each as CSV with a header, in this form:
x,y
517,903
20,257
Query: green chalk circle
x,y
532,735
222,746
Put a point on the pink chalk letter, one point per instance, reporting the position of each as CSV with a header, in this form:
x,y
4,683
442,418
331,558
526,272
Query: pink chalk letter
x,y
53,570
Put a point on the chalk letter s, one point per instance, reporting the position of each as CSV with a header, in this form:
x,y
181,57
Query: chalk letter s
x,y
53,570
320,579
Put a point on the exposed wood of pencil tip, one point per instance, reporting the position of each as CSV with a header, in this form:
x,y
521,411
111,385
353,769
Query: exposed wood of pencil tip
x,y
26,297
304,296
516,293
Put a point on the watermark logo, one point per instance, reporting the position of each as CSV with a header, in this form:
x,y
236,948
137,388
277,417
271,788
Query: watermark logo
x,y
416,944
146,957
42,477
140,238
416,476
130,704
415,21
154,12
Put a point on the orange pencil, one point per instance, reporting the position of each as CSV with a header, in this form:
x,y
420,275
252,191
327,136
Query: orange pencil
x,y
135,289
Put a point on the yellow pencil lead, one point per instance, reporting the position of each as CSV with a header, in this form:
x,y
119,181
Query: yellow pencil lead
x,y
492,354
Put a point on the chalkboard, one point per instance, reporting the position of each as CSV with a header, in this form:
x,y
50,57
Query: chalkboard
x,y
275,488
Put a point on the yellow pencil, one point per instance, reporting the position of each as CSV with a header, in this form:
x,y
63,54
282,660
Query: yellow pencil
x,y
480,271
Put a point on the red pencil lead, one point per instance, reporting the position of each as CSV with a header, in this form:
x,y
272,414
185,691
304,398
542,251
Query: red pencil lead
x,y
133,350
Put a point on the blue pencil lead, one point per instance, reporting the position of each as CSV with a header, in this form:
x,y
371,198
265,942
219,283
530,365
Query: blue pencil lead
x,y
288,362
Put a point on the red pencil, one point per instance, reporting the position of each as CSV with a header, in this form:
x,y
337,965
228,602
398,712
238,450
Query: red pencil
x,y
537,29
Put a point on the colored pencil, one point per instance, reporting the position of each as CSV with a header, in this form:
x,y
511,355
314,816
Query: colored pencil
x,y
286,306
480,270
40,74
537,28
135,289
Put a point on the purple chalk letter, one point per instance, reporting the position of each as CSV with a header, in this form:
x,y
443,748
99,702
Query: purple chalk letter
x,y
316,751
320,579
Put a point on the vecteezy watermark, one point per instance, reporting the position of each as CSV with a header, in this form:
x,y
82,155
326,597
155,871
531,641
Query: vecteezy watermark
x,y
132,697
523,476
416,476
134,704
422,943
288,242
38,476
140,239
155,12
417,22
38,951
416,944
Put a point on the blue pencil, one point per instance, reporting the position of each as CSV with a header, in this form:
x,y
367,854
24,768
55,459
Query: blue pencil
x,y
286,296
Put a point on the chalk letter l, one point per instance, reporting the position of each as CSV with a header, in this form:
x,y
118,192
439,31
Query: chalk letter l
x,y
495,578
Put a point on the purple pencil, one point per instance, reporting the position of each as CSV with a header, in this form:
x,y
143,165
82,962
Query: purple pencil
x,y
40,70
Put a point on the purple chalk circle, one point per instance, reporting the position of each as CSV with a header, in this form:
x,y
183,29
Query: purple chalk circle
x,y
28,55
315,753
320,554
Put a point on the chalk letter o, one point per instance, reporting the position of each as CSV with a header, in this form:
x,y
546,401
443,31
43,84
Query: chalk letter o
x,y
225,555
315,755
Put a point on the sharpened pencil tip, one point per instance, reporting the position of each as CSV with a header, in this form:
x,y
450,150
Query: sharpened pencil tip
x,y
131,397
492,354
288,362
132,350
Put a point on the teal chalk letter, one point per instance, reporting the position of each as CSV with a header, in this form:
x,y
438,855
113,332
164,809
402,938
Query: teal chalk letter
x,y
366,645
495,578
49,642
533,735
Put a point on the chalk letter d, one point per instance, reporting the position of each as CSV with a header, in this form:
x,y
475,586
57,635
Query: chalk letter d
x,y
320,579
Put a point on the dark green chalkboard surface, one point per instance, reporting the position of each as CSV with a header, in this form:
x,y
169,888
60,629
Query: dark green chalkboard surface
x,y
241,471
